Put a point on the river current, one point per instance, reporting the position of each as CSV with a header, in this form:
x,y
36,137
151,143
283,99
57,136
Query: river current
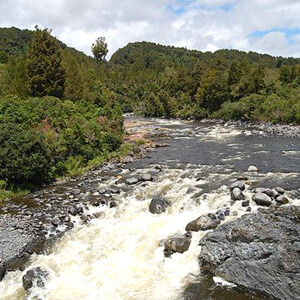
x,y
120,254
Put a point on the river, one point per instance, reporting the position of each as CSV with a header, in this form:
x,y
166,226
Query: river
x,y
120,254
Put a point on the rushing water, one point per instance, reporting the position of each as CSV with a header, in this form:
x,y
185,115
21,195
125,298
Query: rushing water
x,y
120,255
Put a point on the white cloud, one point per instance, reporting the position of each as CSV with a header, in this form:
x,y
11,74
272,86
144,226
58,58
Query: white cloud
x,y
198,24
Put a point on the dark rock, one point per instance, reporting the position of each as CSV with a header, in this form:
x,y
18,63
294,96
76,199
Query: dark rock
x,y
257,252
2,272
262,199
72,210
132,180
158,205
35,277
236,194
245,203
180,243
55,222
282,200
202,223
238,184
248,209
113,204
266,191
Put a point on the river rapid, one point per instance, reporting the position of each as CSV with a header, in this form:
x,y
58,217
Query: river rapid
x,y
120,254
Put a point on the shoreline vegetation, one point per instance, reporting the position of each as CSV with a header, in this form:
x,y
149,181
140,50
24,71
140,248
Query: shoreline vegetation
x,y
61,111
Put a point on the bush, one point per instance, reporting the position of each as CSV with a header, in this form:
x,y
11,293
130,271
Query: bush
x,y
24,156
42,138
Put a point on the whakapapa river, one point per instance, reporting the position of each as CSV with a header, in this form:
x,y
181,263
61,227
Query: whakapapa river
x,y
120,254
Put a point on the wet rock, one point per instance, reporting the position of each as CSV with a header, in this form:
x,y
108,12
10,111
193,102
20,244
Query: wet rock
x,y
113,204
2,272
282,200
262,199
73,210
55,222
252,169
76,192
147,177
266,191
179,244
132,180
238,184
158,205
35,277
280,190
202,223
245,203
236,194
257,252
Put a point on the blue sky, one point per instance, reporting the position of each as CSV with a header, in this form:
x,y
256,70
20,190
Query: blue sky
x,y
266,26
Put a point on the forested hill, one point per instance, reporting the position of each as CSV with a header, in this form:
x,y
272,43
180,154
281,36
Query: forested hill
x,y
152,55
230,84
15,41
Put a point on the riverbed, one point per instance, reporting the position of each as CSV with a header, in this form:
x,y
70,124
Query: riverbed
x,y
120,254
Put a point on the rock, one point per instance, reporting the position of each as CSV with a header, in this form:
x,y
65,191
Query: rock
x,y
202,223
236,194
73,210
76,192
132,180
113,204
257,252
158,205
252,169
280,190
245,203
2,272
238,184
180,243
266,191
36,276
147,177
282,200
262,199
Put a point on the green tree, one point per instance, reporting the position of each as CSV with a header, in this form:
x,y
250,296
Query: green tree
x,y
99,49
45,71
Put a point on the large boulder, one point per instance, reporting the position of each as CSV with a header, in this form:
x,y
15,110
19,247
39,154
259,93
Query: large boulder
x,y
35,277
204,222
258,252
180,243
158,205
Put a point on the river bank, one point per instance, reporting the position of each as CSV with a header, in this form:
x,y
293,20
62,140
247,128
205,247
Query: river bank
x,y
192,168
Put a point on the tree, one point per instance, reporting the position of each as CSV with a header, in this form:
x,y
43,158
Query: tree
x,y
45,71
99,49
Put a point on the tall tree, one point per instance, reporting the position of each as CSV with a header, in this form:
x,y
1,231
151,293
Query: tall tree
x,y
99,49
45,71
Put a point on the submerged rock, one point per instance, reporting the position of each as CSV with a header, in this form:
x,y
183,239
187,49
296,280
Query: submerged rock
x,y
258,252
262,199
36,276
158,205
203,223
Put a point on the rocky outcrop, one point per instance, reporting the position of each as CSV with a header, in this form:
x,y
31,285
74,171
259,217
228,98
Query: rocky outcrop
x,y
258,252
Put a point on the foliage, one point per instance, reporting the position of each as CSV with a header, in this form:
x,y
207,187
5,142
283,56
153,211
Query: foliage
x,y
41,138
99,49
45,71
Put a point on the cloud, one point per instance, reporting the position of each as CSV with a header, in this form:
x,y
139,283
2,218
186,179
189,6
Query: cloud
x,y
196,24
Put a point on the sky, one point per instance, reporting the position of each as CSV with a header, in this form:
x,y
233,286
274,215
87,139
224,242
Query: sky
x,y
265,26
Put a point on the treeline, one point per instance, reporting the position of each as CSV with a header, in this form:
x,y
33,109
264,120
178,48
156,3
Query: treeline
x,y
176,82
58,113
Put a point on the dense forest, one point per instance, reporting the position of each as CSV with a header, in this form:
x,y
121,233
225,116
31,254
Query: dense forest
x,y
61,110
